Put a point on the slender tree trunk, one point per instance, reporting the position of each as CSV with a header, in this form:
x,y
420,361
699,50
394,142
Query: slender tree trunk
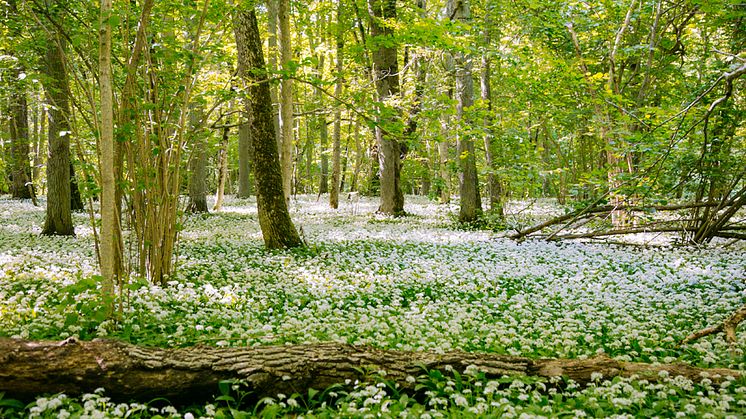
x,y
336,133
20,167
76,201
493,180
274,219
323,136
222,171
445,175
286,99
21,186
386,75
471,204
110,251
58,219
244,161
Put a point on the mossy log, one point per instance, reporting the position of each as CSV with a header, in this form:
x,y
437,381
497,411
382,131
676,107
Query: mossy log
x,y
131,372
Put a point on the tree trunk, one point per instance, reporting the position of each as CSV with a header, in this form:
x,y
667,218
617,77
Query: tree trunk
x,y
76,201
337,131
493,181
222,171
58,219
386,75
20,165
244,161
471,204
197,164
21,186
128,372
110,251
286,99
272,6
445,175
274,219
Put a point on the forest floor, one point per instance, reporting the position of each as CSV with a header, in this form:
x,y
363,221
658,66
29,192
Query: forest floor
x,y
411,283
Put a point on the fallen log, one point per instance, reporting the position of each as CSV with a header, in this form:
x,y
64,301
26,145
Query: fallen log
x,y
130,372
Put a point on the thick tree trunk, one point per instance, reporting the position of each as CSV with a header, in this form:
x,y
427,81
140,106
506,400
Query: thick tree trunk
x,y
274,219
58,219
197,165
386,75
129,372
244,161
286,99
471,204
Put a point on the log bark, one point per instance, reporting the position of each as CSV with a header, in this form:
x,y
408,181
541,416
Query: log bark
x,y
190,374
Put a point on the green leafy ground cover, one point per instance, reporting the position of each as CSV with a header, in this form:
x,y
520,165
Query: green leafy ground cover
x,y
415,283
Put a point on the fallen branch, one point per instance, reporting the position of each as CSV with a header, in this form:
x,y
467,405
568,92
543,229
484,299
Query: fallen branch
x,y
588,212
190,374
728,326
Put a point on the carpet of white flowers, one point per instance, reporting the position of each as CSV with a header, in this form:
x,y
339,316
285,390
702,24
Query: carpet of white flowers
x,y
412,283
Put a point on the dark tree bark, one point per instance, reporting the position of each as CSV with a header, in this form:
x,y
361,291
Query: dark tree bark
x,y
386,76
76,201
58,218
197,166
244,161
130,372
277,227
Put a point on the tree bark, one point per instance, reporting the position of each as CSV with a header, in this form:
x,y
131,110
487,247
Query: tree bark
x,y
130,372
272,6
222,170
244,161
286,99
110,251
58,218
337,130
471,204
20,165
386,75
493,181
274,219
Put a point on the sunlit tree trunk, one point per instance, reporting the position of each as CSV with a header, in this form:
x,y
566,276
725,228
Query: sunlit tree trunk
x,y
274,219
386,75
197,164
336,133
222,171
110,250
286,98
272,6
58,218
471,204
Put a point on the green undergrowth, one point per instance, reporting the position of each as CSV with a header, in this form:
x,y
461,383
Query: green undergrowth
x,y
436,395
